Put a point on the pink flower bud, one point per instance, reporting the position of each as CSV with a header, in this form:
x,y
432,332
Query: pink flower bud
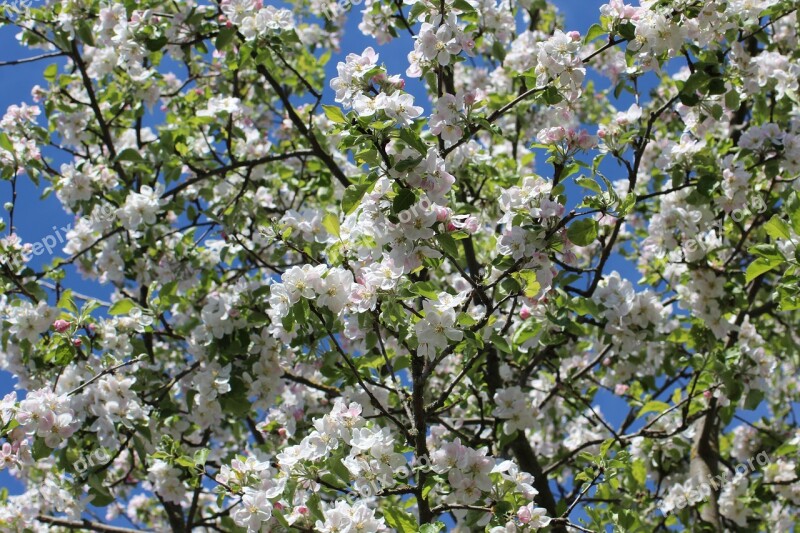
x,y
76,342
471,224
442,213
302,509
607,361
61,325
525,312
621,389
707,395
574,35
524,514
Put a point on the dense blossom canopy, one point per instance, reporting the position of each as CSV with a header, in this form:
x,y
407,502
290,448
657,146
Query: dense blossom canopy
x,y
371,300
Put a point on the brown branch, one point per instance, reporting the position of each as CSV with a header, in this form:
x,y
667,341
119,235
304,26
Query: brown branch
x,y
84,525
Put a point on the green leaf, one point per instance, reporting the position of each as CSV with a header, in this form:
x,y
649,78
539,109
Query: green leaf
x,y
732,100
40,449
767,251
413,140
588,183
5,143
551,95
717,86
416,10
400,520
583,232
605,447
777,228
130,154
154,45
185,462
334,114
448,244
331,223
50,73
753,400
653,405
758,267
84,31
224,38
595,31
695,82
465,320
531,284
627,204
628,31
101,496
62,356
431,528
66,302
498,51
426,289
201,456
121,307
407,164
463,5
404,199
352,197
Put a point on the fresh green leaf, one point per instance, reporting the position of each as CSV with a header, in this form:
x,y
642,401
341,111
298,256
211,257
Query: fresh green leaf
x,y
583,232
331,224
334,114
121,307
758,267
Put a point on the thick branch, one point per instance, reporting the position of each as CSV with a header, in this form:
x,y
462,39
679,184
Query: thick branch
x,y
84,525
